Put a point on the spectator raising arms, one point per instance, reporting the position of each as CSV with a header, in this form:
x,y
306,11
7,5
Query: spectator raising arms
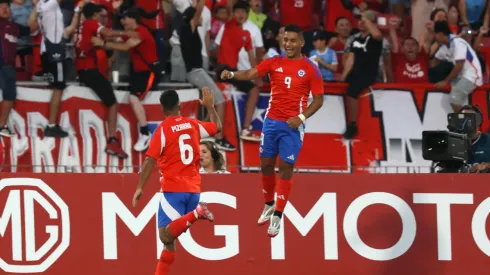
x,y
191,46
146,67
212,161
325,58
361,67
231,39
89,75
409,66
9,32
466,74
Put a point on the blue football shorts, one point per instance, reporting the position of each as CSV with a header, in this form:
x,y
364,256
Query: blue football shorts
x,y
174,205
278,138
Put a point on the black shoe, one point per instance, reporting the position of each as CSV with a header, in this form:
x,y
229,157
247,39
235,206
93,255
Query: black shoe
x,y
6,132
351,131
224,145
54,131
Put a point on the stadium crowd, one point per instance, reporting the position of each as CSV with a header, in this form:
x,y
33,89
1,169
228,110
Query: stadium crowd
x,y
355,41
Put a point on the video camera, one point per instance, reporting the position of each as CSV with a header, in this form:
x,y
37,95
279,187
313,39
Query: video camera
x,y
451,150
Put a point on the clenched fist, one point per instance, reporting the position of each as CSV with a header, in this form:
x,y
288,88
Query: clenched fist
x,y
225,75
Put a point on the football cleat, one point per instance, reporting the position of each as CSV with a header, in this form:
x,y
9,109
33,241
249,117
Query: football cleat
x,y
274,227
266,214
203,212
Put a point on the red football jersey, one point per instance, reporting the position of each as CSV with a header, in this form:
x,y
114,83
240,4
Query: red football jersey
x,y
86,54
175,145
145,53
291,83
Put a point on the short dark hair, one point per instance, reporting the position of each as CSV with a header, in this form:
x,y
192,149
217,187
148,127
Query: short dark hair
x,y
169,100
434,12
240,5
442,27
294,28
218,8
90,9
340,18
410,38
5,2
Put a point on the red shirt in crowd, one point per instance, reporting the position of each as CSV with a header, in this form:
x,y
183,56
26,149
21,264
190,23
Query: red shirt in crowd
x,y
175,145
231,39
85,51
291,83
410,72
298,12
334,10
218,3
9,31
145,53
156,23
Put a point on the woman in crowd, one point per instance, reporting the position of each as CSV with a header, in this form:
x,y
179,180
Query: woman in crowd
x,y
212,161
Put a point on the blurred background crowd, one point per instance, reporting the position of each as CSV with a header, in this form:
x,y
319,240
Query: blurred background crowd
x,y
409,53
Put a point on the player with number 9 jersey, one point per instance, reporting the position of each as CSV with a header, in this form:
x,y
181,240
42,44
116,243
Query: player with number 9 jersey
x,y
175,145
293,77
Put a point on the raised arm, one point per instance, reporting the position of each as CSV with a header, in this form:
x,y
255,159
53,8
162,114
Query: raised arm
x,y
197,16
372,28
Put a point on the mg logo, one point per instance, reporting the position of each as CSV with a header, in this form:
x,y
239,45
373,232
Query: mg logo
x,y
35,221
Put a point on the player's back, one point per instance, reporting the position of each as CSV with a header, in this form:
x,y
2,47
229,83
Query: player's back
x,y
175,144
291,82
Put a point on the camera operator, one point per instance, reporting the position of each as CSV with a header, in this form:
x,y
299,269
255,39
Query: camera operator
x,y
480,145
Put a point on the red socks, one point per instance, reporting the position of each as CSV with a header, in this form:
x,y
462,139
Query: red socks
x,y
283,191
268,186
166,259
181,224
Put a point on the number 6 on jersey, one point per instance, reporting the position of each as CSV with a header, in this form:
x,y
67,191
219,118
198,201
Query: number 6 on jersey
x,y
186,151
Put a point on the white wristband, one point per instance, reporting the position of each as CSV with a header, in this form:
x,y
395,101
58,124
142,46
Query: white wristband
x,y
232,74
302,117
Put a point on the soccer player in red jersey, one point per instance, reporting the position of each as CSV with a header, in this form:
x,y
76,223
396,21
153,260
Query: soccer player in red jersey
x,y
175,146
292,76
146,67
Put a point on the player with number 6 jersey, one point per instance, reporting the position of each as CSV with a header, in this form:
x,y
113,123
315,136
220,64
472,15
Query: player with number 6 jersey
x,y
293,76
175,146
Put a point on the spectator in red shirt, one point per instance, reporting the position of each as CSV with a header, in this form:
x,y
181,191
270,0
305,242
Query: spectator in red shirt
x,y
230,40
410,66
89,75
334,10
146,67
343,30
156,24
300,13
